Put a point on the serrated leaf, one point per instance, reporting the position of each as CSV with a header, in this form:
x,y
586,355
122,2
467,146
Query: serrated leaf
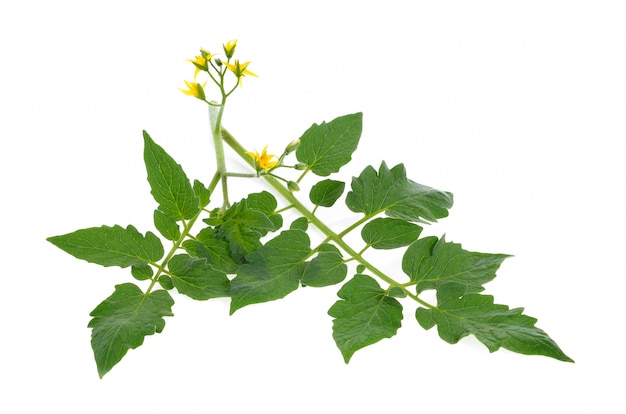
x,y
166,225
327,268
431,262
327,147
123,320
272,271
390,233
459,314
218,250
111,246
242,226
194,277
364,316
325,193
388,190
169,183
203,193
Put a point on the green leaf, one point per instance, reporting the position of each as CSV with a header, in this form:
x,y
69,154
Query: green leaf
x,y
166,225
459,314
431,263
326,192
272,272
327,147
301,223
217,251
141,273
266,203
169,183
242,226
203,193
111,246
390,191
194,277
364,316
390,233
327,268
123,320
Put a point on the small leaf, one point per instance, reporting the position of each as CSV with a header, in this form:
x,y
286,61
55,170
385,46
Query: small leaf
x,y
141,273
266,203
301,223
272,271
111,246
459,314
203,193
123,320
166,225
432,262
327,268
390,233
326,192
397,292
166,282
169,183
327,147
364,316
391,192
194,277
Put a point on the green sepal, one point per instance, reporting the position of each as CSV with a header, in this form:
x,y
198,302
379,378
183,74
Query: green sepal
x,y
326,192
459,314
203,193
272,272
327,147
122,321
363,316
141,272
111,246
194,277
301,223
390,233
432,262
327,268
166,225
389,191
169,184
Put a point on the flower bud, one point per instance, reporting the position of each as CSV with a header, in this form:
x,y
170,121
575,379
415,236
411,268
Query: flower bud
x,y
301,166
218,61
293,186
292,146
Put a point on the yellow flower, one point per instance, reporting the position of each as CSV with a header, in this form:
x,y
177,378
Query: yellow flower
x,y
194,89
264,161
201,62
229,48
239,69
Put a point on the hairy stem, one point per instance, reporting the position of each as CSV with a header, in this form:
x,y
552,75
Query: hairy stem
x,y
215,120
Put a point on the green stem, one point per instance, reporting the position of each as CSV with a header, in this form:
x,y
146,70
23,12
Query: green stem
x,y
215,120
304,211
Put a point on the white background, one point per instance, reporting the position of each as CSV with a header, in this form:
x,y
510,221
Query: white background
x,y
518,108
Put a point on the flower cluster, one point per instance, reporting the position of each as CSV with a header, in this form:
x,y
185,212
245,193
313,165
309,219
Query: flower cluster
x,y
216,69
